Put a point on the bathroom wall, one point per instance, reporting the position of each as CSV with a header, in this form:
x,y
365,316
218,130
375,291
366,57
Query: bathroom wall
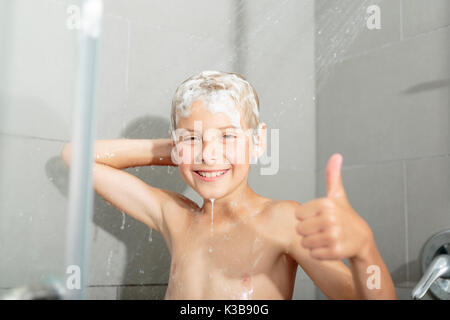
x,y
147,50
383,102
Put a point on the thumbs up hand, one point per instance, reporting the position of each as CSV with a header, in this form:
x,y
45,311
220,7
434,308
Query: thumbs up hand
x,y
331,229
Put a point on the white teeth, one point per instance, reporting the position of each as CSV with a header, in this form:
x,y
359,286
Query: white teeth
x,y
211,174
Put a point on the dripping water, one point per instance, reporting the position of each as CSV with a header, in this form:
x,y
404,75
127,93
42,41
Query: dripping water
x,y
338,28
150,239
123,221
212,219
109,263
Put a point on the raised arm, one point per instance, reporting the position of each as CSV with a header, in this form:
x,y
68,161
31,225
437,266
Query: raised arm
x,y
331,230
123,190
332,277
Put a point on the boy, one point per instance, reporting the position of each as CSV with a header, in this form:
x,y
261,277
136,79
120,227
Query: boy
x,y
238,245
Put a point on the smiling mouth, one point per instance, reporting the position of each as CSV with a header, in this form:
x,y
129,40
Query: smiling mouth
x,y
210,175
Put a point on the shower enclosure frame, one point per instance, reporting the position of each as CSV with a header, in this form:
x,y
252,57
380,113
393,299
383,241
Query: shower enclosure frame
x,y
70,285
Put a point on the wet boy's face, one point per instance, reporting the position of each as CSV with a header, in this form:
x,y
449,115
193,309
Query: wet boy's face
x,y
213,155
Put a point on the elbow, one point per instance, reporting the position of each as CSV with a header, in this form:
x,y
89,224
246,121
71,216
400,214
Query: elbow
x,y
66,154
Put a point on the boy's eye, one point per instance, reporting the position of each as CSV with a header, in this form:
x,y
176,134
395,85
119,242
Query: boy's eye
x,y
191,138
229,136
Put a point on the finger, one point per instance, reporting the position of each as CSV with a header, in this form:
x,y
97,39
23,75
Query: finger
x,y
323,253
318,240
308,210
311,226
335,187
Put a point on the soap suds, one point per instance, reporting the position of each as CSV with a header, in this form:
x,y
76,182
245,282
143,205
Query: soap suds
x,y
220,92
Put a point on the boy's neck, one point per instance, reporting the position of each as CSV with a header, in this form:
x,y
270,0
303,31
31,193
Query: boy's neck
x,y
232,204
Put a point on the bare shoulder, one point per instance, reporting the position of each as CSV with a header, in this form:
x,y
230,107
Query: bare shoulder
x,y
177,207
177,200
280,218
176,212
283,209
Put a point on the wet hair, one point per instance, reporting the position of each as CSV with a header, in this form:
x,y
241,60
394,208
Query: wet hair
x,y
210,83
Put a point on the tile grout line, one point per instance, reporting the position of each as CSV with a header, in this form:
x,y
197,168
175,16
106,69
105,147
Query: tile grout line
x,y
387,162
24,136
405,212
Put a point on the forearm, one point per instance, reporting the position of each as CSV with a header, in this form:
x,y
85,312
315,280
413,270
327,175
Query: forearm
x,y
125,153
375,282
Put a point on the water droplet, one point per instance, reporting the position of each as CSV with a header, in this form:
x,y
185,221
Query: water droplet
x,y
109,263
123,220
150,239
212,215
246,295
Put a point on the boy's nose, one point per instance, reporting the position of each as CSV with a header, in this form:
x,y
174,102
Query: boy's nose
x,y
210,152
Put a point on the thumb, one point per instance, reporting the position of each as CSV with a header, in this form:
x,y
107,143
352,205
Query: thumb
x,y
335,187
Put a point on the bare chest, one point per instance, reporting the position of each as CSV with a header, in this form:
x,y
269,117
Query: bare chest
x,y
239,260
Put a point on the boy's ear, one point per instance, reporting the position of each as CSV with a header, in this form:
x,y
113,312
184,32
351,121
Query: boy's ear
x,y
261,140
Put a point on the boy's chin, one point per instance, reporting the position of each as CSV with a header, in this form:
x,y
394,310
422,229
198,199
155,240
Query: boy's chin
x,y
211,194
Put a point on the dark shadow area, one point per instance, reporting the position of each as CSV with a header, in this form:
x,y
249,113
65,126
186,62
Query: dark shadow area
x,y
147,258
147,262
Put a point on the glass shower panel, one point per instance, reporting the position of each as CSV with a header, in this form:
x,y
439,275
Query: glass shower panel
x,y
42,99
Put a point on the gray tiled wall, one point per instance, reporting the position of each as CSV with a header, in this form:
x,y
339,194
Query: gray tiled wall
x,y
383,103
148,48
382,98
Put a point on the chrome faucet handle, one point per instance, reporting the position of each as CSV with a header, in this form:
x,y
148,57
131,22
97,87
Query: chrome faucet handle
x,y
439,266
47,290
